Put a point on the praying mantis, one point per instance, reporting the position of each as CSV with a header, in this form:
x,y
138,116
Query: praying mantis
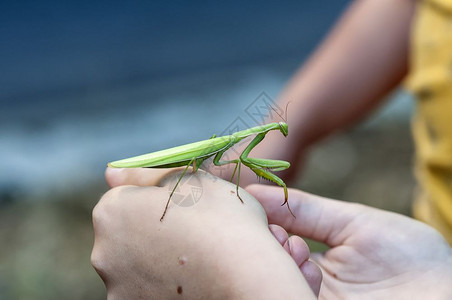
x,y
194,154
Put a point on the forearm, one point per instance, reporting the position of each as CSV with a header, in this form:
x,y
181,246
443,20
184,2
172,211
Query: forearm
x,y
362,59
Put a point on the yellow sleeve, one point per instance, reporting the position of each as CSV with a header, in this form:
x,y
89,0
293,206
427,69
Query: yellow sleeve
x,y
431,83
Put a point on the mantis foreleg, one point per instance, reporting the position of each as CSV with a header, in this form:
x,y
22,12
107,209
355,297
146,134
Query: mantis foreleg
x,y
261,167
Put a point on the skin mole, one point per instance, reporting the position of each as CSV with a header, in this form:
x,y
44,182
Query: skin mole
x,y
182,260
179,289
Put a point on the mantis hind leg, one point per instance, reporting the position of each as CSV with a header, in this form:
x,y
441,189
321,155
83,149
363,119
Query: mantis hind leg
x,y
196,163
237,162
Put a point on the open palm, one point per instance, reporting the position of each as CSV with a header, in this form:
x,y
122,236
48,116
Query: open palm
x,y
373,253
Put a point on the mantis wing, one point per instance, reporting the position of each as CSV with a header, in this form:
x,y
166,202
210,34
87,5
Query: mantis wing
x,y
176,156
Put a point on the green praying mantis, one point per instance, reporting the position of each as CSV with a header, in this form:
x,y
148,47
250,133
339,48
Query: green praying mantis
x,y
194,154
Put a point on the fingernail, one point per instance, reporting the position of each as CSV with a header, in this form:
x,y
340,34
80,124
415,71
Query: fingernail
x,y
290,245
114,171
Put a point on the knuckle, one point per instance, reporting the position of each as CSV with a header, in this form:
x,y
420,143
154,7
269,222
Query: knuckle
x,y
99,216
96,258
99,263
107,205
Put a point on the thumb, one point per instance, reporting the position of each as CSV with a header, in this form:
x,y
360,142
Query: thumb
x,y
136,176
317,218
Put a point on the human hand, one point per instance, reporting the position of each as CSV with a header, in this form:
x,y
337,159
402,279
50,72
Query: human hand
x,y
216,248
374,254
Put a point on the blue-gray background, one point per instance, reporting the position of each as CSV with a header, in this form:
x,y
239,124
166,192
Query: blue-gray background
x,y
86,82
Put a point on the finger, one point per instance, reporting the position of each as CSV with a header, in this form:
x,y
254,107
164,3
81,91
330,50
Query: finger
x,y
135,176
279,233
298,249
317,218
295,246
313,275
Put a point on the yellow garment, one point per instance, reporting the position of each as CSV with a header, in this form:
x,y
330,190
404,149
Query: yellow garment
x,y
431,83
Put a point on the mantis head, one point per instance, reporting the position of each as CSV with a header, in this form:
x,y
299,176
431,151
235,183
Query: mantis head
x,y
284,128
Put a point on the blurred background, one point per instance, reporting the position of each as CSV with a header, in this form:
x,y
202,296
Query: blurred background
x,y
86,82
